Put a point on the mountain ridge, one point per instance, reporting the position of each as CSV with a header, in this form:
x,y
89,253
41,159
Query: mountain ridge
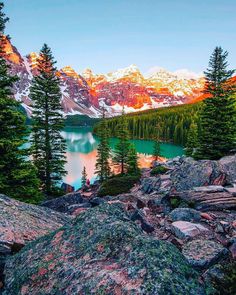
x,y
87,93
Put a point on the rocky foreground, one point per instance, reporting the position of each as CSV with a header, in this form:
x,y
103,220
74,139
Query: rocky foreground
x,y
172,234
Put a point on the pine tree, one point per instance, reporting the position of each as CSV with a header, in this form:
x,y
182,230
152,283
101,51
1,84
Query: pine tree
x,y
84,177
156,149
122,147
103,151
17,175
132,161
192,140
218,115
48,146
157,145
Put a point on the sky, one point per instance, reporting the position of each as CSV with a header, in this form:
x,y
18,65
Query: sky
x,y
105,35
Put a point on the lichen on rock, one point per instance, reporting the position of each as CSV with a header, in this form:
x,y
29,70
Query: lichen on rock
x,y
103,252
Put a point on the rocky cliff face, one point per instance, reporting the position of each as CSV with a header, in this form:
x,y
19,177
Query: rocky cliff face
x,y
87,93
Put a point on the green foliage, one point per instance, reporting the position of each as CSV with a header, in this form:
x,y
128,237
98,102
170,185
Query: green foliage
x,y
80,120
192,140
84,177
118,185
132,161
103,151
122,147
175,202
159,170
173,123
17,175
157,146
48,146
156,149
218,115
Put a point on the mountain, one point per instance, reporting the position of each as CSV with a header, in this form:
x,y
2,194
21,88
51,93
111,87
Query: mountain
x,y
87,93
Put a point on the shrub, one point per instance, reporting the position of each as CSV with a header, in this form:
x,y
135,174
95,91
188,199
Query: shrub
x,y
159,170
175,202
118,185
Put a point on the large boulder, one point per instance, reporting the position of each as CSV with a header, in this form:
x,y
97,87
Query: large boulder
x,y
21,223
229,167
193,173
102,253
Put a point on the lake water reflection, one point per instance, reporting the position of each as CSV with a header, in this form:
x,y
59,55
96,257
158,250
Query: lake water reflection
x,y
82,151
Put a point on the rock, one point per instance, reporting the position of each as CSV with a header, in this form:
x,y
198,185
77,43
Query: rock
x,y
151,184
147,227
234,224
78,211
203,253
165,177
166,184
96,201
21,223
101,253
138,215
219,228
62,204
76,208
157,164
232,250
209,189
185,214
185,229
193,173
215,272
231,190
177,242
67,188
229,167
217,201
206,216
155,206
140,204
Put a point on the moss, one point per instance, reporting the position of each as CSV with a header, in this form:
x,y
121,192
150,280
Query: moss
x,y
159,170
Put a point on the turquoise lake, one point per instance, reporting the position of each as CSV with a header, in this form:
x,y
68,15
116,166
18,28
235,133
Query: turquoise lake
x,y
82,151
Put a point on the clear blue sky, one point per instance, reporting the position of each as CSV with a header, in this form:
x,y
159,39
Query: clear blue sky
x,y
105,35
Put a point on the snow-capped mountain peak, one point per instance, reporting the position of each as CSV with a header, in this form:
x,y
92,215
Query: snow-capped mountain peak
x,y
87,93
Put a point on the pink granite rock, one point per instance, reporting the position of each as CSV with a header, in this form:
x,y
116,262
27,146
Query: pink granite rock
x,y
185,229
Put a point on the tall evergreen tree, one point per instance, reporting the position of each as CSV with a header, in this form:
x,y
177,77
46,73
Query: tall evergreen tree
x,y
103,151
157,145
192,140
17,175
132,161
84,177
48,146
122,147
218,115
